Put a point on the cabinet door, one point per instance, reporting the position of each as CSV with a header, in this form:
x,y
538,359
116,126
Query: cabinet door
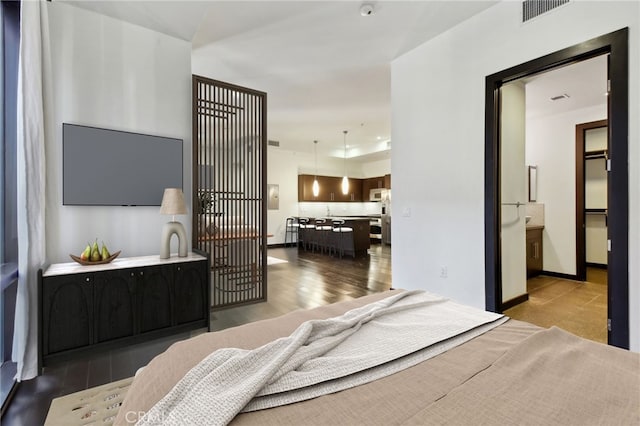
x,y
153,290
67,312
327,189
113,304
534,252
355,190
190,290
387,181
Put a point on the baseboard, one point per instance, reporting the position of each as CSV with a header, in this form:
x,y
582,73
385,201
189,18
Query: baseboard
x,y
560,275
596,265
513,302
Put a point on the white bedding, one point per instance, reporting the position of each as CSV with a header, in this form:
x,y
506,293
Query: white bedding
x,y
320,357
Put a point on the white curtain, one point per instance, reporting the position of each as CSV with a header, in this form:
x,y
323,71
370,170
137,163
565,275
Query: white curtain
x,y
34,70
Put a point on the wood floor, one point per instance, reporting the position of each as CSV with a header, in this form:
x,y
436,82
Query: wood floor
x,y
576,306
307,280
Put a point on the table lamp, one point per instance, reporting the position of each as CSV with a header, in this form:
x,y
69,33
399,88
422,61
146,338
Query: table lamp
x,y
173,204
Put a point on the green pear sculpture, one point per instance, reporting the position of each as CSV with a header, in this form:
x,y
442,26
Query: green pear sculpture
x,y
95,252
105,253
86,254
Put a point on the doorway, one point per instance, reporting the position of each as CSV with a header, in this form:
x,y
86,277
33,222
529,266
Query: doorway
x,y
592,153
616,45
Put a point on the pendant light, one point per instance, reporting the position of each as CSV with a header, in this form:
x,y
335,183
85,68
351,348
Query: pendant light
x,y
345,179
316,186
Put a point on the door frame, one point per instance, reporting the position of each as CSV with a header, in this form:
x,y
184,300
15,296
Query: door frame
x,y
616,45
581,250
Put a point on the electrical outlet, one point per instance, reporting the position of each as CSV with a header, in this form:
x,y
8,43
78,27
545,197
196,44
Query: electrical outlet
x,y
406,212
443,271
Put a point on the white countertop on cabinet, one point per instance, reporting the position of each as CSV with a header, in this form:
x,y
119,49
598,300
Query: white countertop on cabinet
x,y
119,263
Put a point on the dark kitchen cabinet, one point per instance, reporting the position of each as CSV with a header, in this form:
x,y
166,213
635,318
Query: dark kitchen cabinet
x,y
330,189
85,308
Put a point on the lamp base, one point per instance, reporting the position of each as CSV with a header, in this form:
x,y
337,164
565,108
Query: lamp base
x,y
168,230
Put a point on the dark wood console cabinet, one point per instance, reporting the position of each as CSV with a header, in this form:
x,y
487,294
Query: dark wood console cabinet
x,y
87,308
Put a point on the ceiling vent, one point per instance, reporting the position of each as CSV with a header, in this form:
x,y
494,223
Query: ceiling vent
x,y
533,8
558,97
273,143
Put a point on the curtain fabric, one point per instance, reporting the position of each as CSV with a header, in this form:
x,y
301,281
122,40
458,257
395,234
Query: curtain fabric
x,y
34,58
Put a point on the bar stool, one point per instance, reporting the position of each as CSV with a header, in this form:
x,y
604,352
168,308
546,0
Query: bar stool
x,y
291,231
305,228
342,236
321,235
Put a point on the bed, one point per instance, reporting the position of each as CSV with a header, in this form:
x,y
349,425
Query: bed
x,y
515,373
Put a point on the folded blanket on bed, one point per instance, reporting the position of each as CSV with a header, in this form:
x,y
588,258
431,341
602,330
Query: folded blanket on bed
x,y
320,357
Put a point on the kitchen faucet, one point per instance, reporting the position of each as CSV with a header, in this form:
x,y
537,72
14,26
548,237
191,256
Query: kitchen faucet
x,y
328,210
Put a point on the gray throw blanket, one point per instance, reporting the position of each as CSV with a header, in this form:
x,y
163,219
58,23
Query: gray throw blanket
x,y
320,357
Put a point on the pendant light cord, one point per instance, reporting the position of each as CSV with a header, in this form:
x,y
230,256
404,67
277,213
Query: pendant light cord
x,y
344,162
315,150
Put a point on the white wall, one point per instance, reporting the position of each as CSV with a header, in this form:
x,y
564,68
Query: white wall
x,y
513,186
108,73
551,145
438,182
377,168
283,168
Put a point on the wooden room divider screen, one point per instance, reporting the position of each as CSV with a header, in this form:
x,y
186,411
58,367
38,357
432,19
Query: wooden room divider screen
x,y
229,188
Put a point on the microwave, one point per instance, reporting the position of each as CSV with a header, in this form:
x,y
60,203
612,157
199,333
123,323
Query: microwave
x,y
378,194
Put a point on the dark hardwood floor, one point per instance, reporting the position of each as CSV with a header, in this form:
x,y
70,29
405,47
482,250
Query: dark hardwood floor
x,y
307,280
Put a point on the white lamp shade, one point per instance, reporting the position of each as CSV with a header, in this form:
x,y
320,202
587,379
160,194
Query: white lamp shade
x,y
315,188
345,185
173,202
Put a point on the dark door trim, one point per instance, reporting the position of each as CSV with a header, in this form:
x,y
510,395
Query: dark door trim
x,y
616,45
581,252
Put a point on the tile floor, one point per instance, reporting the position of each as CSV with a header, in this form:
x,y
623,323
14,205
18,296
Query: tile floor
x,y
576,306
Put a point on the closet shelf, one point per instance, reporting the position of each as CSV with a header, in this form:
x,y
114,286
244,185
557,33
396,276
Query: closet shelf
x,y
593,155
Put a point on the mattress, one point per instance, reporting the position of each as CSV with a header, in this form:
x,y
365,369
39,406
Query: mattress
x,y
516,373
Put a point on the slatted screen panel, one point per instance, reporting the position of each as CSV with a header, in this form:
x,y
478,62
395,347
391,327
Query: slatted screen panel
x,y
229,185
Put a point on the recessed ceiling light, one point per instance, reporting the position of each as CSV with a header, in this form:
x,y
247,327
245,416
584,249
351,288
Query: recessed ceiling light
x,y
379,138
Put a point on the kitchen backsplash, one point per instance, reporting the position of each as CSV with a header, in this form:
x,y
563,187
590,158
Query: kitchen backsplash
x,y
338,209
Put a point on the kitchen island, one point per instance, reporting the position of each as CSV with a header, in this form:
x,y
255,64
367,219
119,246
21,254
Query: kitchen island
x,y
353,243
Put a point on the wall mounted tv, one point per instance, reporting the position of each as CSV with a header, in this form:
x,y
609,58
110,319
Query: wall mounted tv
x,y
104,167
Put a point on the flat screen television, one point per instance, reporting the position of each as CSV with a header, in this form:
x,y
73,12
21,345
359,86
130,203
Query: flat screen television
x,y
103,167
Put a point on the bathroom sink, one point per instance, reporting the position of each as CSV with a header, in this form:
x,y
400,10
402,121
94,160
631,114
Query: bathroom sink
x,y
527,219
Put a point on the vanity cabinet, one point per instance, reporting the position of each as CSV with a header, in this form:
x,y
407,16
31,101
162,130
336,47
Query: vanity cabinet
x,y
534,251
87,308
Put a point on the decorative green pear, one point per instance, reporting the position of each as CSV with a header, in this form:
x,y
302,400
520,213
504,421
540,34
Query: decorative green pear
x,y
95,252
86,254
105,252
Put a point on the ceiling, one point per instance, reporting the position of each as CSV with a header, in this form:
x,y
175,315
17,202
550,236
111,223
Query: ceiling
x,y
324,66
584,82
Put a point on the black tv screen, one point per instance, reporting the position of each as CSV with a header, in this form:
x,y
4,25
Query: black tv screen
x,y
104,167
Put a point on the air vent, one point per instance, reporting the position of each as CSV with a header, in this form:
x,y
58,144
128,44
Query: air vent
x,y
558,97
273,143
533,8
